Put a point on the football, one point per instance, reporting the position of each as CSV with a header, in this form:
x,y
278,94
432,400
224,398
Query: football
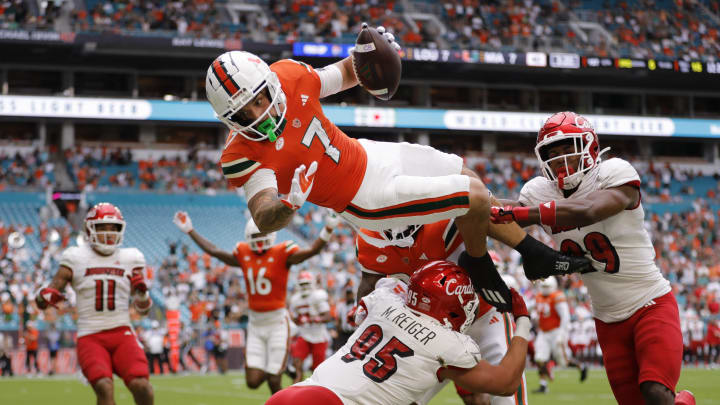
x,y
377,64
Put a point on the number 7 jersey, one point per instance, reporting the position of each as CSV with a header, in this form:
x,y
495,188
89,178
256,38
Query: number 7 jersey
x,y
619,247
305,136
394,355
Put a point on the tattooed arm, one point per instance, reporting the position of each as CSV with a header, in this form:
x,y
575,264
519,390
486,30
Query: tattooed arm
x,y
268,212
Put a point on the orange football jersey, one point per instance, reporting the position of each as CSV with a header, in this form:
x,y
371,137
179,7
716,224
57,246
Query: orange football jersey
x,y
305,136
265,274
549,317
436,241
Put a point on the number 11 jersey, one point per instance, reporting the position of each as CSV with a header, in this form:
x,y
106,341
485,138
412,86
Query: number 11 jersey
x,y
102,286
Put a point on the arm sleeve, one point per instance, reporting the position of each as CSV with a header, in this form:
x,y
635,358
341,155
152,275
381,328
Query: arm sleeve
x,y
563,311
617,172
259,180
236,168
68,260
330,80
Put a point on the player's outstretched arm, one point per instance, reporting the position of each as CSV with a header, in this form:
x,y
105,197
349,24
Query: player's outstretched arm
x,y
597,206
502,379
52,294
331,221
183,221
269,212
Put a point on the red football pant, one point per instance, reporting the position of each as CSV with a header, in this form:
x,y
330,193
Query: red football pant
x,y
304,394
302,348
645,347
114,350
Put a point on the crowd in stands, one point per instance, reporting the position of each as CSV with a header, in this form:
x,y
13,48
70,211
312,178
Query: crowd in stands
x,y
210,293
32,170
658,29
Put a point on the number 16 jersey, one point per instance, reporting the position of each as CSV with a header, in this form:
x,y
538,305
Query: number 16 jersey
x,y
394,355
265,274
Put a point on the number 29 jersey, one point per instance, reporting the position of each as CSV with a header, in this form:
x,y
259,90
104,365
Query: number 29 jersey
x,y
102,286
265,275
394,355
619,247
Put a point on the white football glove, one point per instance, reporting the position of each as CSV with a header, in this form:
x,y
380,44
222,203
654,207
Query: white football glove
x,y
390,38
182,220
301,186
332,219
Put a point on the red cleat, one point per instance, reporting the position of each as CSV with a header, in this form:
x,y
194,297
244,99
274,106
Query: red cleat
x,y
684,397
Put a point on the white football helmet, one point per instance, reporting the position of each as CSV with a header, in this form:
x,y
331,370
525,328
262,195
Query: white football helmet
x,y
258,243
232,81
548,286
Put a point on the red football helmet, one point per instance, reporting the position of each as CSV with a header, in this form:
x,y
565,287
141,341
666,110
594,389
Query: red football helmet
x,y
575,130
104,241
305,282
443,290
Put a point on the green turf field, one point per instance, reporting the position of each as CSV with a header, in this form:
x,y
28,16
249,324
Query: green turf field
x,y
230,389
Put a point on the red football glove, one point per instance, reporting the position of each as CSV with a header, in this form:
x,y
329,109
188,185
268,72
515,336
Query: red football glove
x,y
49,296
350,317
137,281
303,319
518,304
507,214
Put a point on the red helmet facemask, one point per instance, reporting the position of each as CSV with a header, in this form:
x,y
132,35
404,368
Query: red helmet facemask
x,y
104,241
443,291
568,128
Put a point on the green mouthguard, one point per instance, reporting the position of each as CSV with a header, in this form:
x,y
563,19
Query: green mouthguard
x,y
267,127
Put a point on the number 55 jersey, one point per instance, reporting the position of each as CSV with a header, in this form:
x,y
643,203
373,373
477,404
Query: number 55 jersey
x,y
394,355
625,276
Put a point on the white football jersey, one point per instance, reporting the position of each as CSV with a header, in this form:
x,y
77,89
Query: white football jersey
x,y
622,254
312,305
394,355
102,286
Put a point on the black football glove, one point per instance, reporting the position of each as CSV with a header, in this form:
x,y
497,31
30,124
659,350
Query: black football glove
x,y
487,281
540,261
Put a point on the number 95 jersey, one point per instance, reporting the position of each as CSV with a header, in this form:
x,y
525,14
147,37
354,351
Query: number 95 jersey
x,y
394,355
102,286
622,254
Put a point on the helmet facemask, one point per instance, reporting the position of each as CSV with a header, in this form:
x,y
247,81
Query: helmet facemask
x,y
265,126
258,241
99,239
568,176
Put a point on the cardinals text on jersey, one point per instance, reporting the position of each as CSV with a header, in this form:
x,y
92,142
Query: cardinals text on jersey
x,y
305,136
102,286
394,355
626,277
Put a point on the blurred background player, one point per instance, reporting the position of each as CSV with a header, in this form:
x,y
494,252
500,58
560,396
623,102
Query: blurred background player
x,y
592,207
310,310
552,338
343,324
491,329
53,338
265,266
32,340
411,337
105,277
